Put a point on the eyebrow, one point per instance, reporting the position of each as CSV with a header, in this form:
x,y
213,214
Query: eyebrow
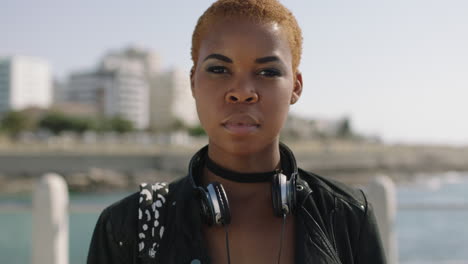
x,y
218,57
267,59
228,60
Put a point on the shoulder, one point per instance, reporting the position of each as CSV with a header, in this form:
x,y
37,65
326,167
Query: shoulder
x,y
123,206
345,216
334,192
114,235
122,213
180,189
126,209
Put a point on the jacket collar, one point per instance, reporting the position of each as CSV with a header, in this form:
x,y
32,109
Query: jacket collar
x,y
314,245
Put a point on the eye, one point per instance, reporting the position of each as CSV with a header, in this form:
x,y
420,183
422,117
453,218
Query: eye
x,y
217,69
270,72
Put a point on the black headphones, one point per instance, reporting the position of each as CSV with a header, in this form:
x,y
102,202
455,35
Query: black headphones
x,y
214,202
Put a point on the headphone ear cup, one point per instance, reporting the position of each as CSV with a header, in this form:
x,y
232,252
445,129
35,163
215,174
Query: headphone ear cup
x,y
223,204
218,202
207,209
283,194
276,195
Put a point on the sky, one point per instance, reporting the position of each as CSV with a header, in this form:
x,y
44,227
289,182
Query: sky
x,y
397,68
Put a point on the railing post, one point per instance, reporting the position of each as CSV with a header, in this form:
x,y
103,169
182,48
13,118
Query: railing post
x,y
381,192
50,221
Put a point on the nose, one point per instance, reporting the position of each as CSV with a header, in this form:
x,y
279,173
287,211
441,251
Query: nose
x,y
241,94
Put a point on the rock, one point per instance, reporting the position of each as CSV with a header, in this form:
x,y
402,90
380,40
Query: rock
x,y
17,184
107,178
3,182
79,182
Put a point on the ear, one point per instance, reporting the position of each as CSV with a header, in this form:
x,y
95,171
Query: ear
x,y
192,81
297,90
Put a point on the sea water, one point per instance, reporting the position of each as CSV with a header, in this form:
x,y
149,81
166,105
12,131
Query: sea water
x,y
424,235
439,235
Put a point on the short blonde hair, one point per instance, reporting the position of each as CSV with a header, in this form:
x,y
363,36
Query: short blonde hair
x,y
257,10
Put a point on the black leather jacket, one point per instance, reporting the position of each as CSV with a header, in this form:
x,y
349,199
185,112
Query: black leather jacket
x,y
334,224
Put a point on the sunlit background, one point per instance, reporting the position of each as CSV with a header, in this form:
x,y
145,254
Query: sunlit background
x,y
398,69
385,92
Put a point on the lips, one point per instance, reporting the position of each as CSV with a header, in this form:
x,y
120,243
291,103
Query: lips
x,y
241,124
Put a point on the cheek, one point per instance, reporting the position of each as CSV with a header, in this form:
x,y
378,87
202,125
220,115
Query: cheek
x,y
202,106
206,104
206,120
280,114
279,95
276,108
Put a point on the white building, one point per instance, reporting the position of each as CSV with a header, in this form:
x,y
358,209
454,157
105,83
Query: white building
x,y
170,98
134,57
113,93
24,82
171,101
129,83
119,86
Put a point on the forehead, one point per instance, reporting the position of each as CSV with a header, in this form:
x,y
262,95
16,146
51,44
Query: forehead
x,y
245,38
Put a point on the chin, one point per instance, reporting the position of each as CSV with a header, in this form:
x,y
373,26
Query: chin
x,y
243,146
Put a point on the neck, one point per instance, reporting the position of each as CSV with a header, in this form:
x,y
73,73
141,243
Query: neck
x,y
266,159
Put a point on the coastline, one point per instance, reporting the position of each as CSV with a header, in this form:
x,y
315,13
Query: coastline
x,y
120,167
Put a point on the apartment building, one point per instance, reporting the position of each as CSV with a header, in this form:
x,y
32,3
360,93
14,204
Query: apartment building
x,y
24,82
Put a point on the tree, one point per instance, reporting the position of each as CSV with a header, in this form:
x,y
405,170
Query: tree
x,y
178,124
344,128
57,122
15,122
197,131
120,124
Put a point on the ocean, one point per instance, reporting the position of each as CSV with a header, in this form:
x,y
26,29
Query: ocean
x,y
425,235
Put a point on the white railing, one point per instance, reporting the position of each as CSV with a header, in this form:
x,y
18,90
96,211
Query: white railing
x,y
51,207
50,221
381,193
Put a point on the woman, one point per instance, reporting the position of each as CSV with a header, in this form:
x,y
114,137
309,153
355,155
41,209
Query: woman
x,y
243,200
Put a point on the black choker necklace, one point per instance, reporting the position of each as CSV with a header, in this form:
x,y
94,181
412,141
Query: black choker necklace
x,y
237,176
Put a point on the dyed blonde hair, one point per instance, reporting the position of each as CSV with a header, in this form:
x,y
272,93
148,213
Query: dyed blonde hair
x,y
263,11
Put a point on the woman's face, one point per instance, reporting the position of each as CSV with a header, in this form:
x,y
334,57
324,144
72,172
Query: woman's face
x,y
243,84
